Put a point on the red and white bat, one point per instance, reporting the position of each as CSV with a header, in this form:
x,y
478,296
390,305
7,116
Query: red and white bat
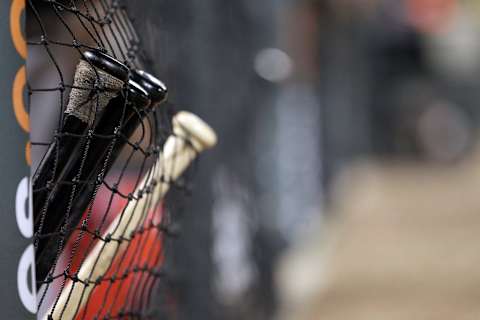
x,y
190,137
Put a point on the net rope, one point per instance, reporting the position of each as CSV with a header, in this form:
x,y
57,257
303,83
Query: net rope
x,y
125,291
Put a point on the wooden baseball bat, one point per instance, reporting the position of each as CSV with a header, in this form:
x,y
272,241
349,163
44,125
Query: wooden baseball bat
x,y
191,136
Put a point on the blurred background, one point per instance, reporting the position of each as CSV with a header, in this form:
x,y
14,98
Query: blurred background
x,y
344,185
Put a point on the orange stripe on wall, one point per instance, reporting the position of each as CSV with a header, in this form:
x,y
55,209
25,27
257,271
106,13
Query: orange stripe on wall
x,y
18,104
18,6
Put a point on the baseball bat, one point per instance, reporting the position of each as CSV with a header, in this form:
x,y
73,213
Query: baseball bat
x,y
98,79
191,136
122,113
62,219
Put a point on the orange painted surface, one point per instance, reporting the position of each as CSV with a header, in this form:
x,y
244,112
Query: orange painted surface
x,y
18,102
16,10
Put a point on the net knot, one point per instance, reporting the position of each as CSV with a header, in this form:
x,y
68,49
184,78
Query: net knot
x,y
98,85
75,278
49,279
148,152
62,230
148,189
73,9
49,185
106,21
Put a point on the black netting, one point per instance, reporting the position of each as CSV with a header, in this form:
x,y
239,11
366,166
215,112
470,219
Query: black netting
x,y
98,128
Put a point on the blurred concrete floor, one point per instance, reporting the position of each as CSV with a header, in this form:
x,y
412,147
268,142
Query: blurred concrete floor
x,y
404,244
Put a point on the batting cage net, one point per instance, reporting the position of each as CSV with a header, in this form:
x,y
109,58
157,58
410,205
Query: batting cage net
x,y
106,149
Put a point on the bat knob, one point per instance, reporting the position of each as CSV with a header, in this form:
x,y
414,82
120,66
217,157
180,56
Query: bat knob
x,y
156,89
106,63
191,127
137,95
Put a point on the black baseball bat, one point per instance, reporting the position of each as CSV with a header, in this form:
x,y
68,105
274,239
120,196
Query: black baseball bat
x,y
95,68
124,114
99,78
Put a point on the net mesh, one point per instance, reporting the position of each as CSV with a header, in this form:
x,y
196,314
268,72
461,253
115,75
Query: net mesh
x,y
59,33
